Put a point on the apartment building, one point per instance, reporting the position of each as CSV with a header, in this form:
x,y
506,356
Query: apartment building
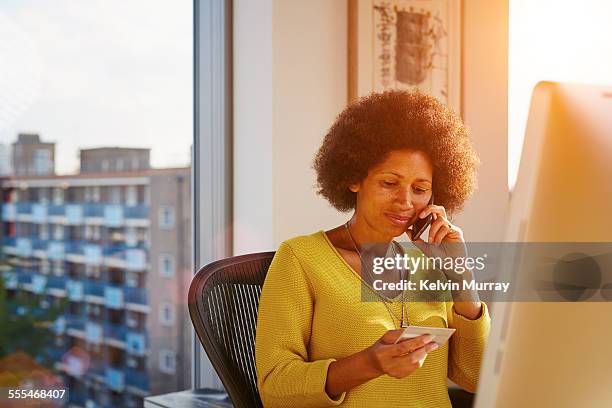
x,y
116,245
30,156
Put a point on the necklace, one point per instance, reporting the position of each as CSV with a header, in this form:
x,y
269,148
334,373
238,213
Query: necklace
x,y
404,319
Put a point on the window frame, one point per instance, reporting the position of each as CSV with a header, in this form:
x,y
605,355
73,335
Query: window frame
x,y
212,162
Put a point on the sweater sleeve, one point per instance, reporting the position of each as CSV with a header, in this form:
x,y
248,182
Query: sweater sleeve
x,y
285,375
467,347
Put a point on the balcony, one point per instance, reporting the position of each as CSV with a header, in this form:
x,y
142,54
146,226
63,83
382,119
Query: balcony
x,y
136,259
9,212
115,331
24,208
39,213
121,256
93,254
93,210
24,276
139,211
113,296
39,283
24,247
137,379
10,279
75,290
56,282
115,379
93,333
94,288
136,295
40,247
84,252
113,215
74,214
9,243
135,343
75,322
56,250
56,210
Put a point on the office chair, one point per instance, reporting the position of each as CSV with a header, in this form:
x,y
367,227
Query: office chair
x,y
223,302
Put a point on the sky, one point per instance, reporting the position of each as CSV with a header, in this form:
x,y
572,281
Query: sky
x,y
98,73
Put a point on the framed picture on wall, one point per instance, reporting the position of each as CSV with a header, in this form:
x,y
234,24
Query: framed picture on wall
x,y
405,44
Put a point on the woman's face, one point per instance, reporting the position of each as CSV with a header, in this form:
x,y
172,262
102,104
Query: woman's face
x,y
393,194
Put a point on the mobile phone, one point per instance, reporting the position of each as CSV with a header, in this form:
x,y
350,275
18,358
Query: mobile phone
x,y
421,224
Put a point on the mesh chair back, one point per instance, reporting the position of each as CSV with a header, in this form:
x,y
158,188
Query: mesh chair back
x,y
223,302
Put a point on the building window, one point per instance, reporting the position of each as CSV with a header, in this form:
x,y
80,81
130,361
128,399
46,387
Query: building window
x,y
44,267
92,271
166,314
131,239
115,195
167,361
44,231
131,279
58,268
58,232
58,196
166,265
131,195
166,217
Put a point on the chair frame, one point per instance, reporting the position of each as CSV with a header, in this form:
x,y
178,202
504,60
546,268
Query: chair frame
x,y
198,310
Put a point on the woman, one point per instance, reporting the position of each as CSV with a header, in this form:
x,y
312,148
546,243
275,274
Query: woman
x,y
317,343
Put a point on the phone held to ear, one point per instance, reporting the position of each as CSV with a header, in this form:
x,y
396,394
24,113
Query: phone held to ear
x,y
421,224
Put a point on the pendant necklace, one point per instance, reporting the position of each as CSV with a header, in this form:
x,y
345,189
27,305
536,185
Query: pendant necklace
x,y
404,318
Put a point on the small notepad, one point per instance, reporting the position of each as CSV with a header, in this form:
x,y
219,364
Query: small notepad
x,y
441,334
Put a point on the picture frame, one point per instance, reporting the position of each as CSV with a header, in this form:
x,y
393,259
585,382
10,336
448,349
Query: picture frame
x,y
405,44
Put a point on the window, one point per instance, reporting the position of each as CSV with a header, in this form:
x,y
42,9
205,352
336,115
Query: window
x,y
58,232
166,217
92,271
58,268
131,239
115,195
44,231
58,196
44,267
113,168
131,279
167,361
166,314
131,195
42,161
166,265
43,195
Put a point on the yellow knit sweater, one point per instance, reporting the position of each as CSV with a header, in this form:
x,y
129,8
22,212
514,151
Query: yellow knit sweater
x,y
311,314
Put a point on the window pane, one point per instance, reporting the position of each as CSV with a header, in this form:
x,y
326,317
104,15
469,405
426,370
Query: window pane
x,y
95,205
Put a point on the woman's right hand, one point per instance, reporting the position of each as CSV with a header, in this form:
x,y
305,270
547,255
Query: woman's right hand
x,y
401,359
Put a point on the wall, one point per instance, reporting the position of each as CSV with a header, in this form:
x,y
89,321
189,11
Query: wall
x,y
485,110
291,108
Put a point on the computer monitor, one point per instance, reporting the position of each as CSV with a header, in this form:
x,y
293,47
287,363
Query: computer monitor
x,y
557,354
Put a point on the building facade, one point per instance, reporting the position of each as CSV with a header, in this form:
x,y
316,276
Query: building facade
x,y
116,247
32,157
114,159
